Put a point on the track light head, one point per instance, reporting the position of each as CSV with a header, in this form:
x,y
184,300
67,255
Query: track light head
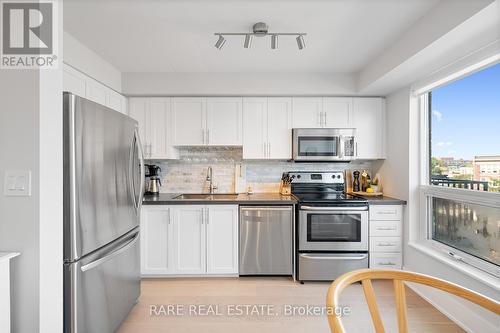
x,y
220,42
274,42
248,41
301,42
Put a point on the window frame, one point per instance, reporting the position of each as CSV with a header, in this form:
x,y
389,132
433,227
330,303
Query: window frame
x,y
428,191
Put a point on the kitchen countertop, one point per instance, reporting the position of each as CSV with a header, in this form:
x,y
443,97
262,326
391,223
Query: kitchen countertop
x,y
383,200
251,199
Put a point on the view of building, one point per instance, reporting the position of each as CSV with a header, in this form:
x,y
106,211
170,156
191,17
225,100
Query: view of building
x,y
487,168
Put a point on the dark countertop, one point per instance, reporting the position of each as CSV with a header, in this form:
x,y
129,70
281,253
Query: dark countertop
x,y
383,200
241,199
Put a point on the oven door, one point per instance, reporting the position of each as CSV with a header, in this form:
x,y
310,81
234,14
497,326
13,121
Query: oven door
x,y
333,228
316,145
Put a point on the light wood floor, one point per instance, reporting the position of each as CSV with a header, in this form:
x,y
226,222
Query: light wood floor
x,y
278,292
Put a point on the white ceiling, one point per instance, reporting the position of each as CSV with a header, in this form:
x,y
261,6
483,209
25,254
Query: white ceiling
x,y
177,36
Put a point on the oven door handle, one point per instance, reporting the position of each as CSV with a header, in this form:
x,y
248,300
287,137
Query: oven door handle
x,y
354,257
346,209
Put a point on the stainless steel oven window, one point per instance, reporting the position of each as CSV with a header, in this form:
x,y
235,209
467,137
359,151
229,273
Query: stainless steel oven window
x,y
318,145
333,228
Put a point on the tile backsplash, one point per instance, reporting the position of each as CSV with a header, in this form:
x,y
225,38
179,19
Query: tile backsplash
x,y
230,172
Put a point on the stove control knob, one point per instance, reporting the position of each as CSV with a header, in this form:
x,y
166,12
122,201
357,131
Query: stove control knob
x,y
299,176
293,176
338,176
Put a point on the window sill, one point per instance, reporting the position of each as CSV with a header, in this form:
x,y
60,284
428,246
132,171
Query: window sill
x,y
488,279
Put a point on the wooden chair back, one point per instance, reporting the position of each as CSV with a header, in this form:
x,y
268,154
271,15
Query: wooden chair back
x,y
365,276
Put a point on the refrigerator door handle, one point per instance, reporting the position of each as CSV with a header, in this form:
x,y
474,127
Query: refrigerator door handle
x,y
112,254
138,197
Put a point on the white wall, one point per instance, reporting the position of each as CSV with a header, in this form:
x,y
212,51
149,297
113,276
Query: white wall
x,y
87,61
236,84
400,174
19,229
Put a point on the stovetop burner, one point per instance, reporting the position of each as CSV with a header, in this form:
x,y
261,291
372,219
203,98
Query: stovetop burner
x,y
325,188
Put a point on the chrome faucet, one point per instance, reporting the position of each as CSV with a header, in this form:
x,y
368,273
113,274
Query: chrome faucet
x,y
210,179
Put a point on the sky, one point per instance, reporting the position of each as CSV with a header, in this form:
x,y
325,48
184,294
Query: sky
x,y
466,116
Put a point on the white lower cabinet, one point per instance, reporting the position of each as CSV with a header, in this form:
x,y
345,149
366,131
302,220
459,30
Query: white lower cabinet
x,y
386,236
189,243
156,234
222,239
189,240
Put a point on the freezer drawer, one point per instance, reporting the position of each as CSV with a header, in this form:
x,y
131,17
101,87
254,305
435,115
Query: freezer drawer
x,y
101,290
266,240
329,266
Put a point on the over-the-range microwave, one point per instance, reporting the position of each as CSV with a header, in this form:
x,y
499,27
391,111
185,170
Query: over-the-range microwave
x,y
323,144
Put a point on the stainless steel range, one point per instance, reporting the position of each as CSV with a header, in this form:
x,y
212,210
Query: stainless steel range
x,y
332,225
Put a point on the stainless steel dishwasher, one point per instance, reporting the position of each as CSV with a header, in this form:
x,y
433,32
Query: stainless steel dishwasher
x,y
266,240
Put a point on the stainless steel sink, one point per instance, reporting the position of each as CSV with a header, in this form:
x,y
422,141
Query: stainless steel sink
x,y
206,196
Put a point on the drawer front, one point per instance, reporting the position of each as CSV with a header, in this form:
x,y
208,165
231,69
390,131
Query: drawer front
x,y
385,228
385,244
386,212
386,260
329,266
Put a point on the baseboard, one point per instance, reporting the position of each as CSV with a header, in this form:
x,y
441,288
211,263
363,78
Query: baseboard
x,y
446,307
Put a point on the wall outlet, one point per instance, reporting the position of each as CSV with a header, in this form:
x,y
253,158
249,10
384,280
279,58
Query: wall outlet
x,y
17,183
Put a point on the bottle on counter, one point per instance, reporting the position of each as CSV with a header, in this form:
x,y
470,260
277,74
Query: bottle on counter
x,y
355,182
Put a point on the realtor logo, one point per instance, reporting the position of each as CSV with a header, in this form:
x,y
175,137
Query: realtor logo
x,y
28,35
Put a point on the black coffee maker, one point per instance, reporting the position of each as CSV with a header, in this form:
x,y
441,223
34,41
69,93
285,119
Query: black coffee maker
x,y
153,179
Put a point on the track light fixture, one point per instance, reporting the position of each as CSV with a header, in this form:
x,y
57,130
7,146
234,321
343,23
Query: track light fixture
x,y
300,42
261,30
274,42
248,41
220,42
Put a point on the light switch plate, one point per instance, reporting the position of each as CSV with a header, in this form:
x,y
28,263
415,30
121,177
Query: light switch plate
x,y
17,183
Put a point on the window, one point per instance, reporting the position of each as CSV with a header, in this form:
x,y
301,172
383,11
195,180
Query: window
x,y
461,193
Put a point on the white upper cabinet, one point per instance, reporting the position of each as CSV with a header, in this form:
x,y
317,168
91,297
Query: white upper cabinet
x,y
322,112
139,110
74,81
307,112
267,128
84,86
279,128
224,121
96,92
208,121
189,121
189,239
222,239
154,116
254,127
337,112
116,101
369,121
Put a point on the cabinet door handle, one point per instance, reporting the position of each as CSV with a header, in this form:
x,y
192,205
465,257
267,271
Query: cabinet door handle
x,y
168,215
388,263
207,215
269,149
203,136
386,244
324,119
208,136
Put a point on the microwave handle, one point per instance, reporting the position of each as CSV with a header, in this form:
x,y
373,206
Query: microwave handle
x,y
342,146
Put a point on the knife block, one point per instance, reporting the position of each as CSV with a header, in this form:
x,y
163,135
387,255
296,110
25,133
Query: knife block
x,y
285,189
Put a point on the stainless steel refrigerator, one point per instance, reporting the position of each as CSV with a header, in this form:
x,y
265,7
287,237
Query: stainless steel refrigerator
x,y
103,191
